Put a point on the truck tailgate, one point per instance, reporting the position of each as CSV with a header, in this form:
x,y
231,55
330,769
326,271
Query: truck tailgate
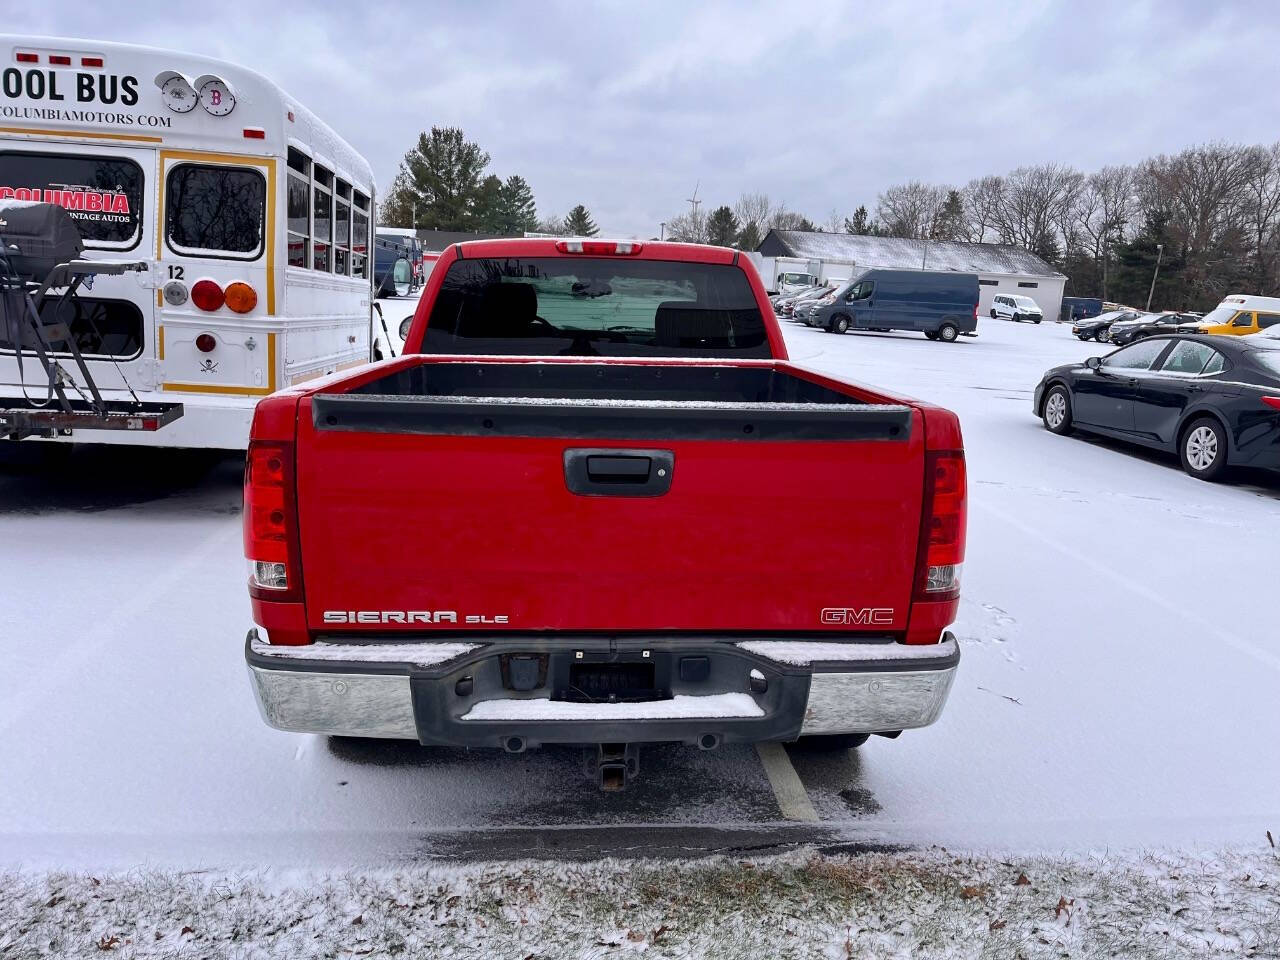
x,y
435,532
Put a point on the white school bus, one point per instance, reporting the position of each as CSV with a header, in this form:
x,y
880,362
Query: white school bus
x,y
253,214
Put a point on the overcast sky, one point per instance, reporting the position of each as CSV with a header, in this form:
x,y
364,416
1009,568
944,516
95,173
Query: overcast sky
x,y
626,106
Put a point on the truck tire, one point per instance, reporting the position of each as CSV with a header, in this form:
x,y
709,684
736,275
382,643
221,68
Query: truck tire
x,y
1056,412
947,333
1202,448
931,335
993,313
833,741
840,324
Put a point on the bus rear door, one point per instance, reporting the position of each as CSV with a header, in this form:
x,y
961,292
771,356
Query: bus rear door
x,y
109,192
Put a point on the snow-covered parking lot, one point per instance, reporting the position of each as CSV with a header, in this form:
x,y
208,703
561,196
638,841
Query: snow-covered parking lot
x,y
1118,687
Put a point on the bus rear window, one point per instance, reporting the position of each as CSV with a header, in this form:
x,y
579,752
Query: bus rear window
x,y
102,194
215,210
583,306
100,327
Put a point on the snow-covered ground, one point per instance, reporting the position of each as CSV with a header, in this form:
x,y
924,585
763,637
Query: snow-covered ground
x,y
1117,690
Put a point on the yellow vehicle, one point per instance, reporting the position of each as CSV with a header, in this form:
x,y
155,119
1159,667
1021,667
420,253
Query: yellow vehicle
x,y
1237,315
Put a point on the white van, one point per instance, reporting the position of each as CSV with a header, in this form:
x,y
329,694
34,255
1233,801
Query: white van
x,y
1011,306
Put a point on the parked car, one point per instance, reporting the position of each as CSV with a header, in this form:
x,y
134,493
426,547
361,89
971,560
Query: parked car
x,y
811,294
381,615
1238,315
1215,401
1099,327
1081,308
940,304
1146,325
1011,306
783,301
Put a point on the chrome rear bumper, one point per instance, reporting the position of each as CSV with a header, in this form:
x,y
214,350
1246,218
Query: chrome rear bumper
x,y
852,688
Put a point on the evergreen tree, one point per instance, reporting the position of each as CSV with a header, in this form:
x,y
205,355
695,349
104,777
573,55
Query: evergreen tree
x,y
722,227
860,224
486,214
579,223
442,177
950,222
749,237
1136,265
517,212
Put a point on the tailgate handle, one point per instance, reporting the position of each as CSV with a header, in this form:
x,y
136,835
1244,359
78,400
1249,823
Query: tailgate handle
x,y
618,473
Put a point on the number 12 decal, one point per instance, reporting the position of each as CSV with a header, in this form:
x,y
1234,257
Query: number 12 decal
x,y
176,272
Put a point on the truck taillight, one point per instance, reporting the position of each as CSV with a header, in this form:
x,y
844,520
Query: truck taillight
x,y
270,522
942,530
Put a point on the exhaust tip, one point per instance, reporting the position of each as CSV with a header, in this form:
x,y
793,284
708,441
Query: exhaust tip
x,y
708,741
514,745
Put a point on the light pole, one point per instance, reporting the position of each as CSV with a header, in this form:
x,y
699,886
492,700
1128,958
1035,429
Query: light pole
x,y
662,230
1151,292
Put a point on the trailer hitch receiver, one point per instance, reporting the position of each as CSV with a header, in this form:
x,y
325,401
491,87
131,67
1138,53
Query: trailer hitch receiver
x,y
613,765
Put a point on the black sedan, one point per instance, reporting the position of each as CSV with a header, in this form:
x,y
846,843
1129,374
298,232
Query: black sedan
x,y
1097,328
1146,325
1215,401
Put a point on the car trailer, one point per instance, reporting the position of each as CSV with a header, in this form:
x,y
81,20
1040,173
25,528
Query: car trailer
x,y
40,263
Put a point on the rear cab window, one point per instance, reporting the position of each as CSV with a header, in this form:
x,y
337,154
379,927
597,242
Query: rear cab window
x,y
585,306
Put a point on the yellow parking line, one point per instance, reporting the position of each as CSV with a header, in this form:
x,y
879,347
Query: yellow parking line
x,y
792,798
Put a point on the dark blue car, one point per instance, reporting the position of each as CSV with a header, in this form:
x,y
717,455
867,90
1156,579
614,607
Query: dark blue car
x,y
939,304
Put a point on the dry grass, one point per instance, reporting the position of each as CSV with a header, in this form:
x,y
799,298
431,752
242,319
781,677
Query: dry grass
x,y
925,904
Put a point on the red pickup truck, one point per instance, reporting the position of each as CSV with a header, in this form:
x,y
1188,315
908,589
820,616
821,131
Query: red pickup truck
x,y
595,504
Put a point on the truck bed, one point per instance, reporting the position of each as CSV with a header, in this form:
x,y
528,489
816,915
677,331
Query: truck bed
x,y
444,496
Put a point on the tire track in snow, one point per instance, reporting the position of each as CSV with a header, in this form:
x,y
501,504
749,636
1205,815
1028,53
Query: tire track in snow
x,y
62,668
1248,647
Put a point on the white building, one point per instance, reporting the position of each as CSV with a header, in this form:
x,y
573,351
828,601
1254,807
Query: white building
x,y
1001,268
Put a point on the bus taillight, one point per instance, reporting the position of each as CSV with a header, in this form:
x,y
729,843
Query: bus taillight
x,y
241,297
207,295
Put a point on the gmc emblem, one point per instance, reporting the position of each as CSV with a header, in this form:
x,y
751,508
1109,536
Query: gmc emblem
x,y
858,616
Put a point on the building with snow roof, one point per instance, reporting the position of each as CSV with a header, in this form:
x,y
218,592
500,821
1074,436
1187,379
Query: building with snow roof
x,y
1001,268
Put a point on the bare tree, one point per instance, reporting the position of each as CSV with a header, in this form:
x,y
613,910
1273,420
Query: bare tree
x,y
689,227
982,198
911,210
1261,215
1102,208
753,210
835,222
552,224
1202,192
1033,205
784,219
